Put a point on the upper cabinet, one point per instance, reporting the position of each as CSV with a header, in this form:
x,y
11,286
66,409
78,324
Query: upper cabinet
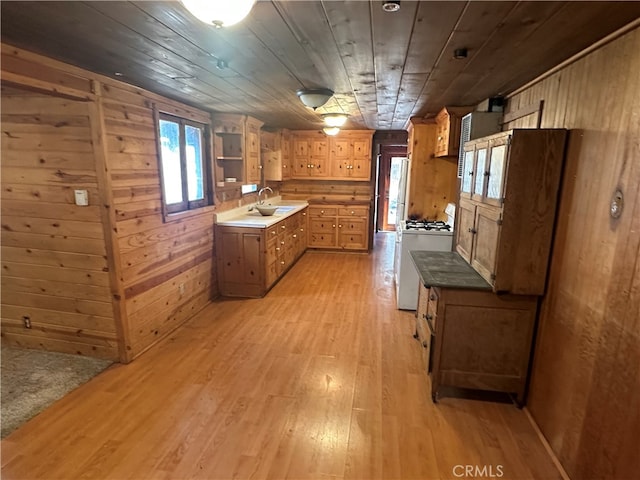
x,y
448,131
350,154
310,154
507,206
346,156
237,147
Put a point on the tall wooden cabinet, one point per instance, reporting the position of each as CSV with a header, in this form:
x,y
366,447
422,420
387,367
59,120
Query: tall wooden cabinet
x,y
507,207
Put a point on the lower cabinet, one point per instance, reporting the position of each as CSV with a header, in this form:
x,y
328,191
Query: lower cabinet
x,y
251,260
339,226
475,339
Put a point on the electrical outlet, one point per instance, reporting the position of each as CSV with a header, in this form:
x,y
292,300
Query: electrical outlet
x,y
27,322
181,288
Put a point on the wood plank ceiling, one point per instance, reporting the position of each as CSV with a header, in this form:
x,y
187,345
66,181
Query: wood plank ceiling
x,y
383,67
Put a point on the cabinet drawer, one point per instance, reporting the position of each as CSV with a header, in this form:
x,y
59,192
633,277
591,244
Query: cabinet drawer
x,y
323,211
355,241
352,225
362,212
432,307
322,239
327,225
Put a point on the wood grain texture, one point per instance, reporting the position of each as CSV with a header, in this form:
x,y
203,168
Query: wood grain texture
x,y
433,180
54,259
585,390
319,379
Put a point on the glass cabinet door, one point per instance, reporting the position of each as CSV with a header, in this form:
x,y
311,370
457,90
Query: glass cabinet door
x,y
481,166
495,184
467,172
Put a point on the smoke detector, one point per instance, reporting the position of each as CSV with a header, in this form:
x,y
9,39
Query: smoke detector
x,y
391,6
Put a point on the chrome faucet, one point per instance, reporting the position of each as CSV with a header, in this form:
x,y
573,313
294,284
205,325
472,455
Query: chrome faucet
x,y
261,202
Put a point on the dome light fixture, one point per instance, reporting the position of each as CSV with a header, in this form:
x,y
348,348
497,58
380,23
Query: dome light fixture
x,y
334,119
219,13
391,6
331,131
314,97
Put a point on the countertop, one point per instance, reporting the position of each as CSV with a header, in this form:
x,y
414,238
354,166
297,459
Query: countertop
x,y
447,270
242,217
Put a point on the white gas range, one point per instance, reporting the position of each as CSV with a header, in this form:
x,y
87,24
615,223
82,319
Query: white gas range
x,y
418,235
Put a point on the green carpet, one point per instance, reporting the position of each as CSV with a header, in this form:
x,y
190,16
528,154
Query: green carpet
x,y
31,380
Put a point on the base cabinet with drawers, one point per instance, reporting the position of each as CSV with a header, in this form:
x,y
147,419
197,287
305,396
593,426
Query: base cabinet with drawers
x,y
475,339
251,260
339,226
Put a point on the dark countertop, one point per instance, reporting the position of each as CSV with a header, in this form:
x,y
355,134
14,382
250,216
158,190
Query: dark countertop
x,y
447,270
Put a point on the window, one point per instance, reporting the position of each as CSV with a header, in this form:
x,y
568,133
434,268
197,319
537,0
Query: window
x,y
184,168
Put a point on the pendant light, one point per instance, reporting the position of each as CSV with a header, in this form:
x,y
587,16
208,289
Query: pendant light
x,y
219,13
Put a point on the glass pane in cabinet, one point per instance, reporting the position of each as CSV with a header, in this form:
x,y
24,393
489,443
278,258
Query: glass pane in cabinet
x,y
496,172
467,171
481,165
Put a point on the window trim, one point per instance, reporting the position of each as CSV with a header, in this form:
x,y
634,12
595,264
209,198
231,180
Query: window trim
x,y
186,207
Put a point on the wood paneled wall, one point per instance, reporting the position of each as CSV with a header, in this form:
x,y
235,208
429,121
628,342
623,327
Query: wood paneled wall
x,y
54,261
585,388
106,279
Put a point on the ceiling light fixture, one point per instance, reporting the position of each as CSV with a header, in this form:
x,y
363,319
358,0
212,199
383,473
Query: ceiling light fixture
x,y
314,98
391,6
219,13
331,131
334,119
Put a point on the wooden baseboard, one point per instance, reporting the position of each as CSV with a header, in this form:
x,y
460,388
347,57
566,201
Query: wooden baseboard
x,y
546,445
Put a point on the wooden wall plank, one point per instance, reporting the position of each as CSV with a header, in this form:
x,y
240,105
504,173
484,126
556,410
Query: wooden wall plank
x,y
587,358
53,251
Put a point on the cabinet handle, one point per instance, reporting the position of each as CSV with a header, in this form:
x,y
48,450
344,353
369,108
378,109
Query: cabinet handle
x,y
277,249
282,242
322,211
282,263
273,232
424,344
432,297
470,172
486,174
304,214
473,231
302,229
294,236
352,212
283,227
333,226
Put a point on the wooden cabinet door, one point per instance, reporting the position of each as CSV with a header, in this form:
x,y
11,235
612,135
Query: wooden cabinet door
x,y
285,146
488,226
360,169
319,158
466,220
252,152
352,233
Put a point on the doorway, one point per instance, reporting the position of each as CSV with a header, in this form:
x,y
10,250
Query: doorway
x,y
389,184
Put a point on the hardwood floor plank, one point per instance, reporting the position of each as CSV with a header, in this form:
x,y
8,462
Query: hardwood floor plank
x,y
321,379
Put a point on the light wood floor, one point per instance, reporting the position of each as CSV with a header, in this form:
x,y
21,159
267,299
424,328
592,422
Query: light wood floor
x,y
320,379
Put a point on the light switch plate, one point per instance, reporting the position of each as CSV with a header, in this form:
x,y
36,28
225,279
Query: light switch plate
x,y
82,197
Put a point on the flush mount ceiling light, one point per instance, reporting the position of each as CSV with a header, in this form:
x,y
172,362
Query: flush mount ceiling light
x,y
219,13
334,119
391,6
314,98
331,131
